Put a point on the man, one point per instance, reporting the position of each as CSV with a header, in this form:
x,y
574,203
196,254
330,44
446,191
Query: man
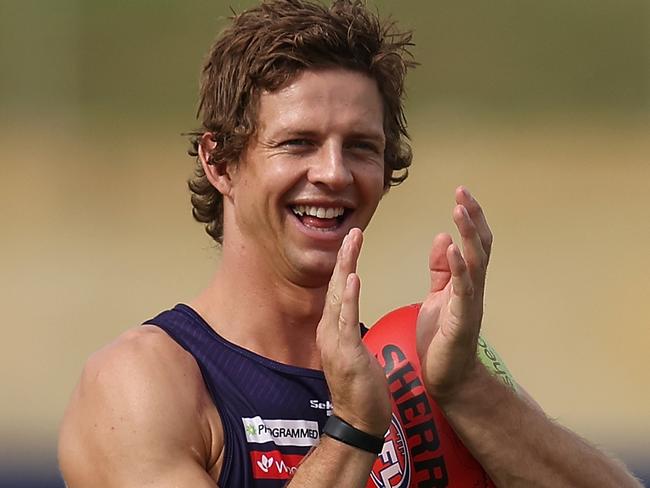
x,y
303,133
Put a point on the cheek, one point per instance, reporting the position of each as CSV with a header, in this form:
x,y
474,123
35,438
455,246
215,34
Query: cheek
x,y
372,182
282,177
264,189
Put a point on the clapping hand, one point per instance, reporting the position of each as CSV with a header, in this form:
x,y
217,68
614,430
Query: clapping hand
x,y
450,317
356,380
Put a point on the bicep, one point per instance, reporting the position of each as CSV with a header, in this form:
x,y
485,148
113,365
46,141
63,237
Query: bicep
x,y
125,428
84,462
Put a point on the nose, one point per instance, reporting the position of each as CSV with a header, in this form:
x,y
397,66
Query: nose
x,y
330,168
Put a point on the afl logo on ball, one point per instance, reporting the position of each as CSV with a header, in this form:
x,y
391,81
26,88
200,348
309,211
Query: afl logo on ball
x,y
392,469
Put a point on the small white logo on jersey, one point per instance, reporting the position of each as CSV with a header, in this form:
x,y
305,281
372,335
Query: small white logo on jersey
x,y
265,463
326,405
281,432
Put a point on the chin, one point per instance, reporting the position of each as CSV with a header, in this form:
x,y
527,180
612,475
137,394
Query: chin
x,y
314,269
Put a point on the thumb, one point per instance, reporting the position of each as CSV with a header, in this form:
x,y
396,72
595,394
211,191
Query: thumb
x,y
439,270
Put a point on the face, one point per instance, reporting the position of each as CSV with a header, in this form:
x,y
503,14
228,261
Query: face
x,y
314,171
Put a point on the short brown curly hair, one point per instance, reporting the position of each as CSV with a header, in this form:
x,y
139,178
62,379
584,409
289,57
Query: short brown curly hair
x,y
263,49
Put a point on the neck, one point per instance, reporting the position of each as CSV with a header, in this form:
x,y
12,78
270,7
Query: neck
x,y
255,308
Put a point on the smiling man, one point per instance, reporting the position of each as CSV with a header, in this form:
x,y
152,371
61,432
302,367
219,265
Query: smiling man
x,y
263,380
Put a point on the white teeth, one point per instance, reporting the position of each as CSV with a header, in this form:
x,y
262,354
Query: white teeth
x,y
319,212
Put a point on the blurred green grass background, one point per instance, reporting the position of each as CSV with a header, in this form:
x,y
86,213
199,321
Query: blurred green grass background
x,y
541,108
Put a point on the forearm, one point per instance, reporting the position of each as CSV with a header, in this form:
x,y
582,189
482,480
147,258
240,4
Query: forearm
x,y
518,445
333,463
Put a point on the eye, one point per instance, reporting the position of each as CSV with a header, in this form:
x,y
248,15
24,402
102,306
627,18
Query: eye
x,y
364,146
297,143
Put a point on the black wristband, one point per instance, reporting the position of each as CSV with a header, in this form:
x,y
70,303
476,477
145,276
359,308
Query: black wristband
x,y
339,429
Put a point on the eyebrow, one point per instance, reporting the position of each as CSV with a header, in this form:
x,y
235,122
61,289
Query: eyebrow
x,y
379,137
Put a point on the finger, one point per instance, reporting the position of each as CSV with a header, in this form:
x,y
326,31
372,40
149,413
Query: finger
x,y
475,256
462,291
439,271
461,281
356,241
326,333
349,330
331,308
346,263
465,198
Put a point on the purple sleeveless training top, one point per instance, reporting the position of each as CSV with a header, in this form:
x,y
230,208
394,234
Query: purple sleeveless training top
x,y
272,413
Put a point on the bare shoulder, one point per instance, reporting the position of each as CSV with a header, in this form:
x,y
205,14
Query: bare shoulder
x,y
139,412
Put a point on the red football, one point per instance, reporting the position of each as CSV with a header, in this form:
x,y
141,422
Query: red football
x,y
421,449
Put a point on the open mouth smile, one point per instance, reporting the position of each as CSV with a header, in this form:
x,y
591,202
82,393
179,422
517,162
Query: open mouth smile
x,y
320,218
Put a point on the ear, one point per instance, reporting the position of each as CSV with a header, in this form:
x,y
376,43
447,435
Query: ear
x,y
217,174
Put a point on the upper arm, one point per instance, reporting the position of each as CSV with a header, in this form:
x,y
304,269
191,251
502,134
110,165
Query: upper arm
x,y
135,418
